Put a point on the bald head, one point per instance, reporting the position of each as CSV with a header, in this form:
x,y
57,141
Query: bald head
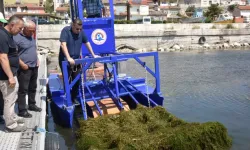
x,y
29,23
29,28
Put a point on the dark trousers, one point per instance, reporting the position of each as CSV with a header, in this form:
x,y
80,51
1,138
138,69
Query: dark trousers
x,y
27,80
1,104
72,73
95,16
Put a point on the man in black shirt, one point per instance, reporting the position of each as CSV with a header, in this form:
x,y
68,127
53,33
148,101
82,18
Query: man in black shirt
x,y
9,64
2,22
71,38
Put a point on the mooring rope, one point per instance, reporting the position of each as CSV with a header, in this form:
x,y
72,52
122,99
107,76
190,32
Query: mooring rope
x,y
83,93
93,71
146,78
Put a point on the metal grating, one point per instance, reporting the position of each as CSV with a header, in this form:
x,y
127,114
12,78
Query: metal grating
x,y
9,141
26,140
29,140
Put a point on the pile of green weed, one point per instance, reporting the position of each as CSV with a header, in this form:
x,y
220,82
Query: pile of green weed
x,y
150,128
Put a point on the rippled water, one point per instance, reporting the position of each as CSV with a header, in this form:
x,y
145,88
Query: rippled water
x,y
200,87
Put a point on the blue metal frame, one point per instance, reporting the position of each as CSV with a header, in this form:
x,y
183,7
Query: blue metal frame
x,y
94,26
113,91
111,86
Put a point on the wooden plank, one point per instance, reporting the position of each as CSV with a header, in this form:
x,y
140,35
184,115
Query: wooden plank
x,y
107,106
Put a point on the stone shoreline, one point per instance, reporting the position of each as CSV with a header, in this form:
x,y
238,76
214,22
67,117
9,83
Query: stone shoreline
x,y
192,48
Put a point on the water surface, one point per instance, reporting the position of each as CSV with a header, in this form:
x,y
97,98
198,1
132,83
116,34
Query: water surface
x,y
199,87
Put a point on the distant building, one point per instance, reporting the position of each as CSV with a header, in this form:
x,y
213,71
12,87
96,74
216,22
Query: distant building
x,y
59,3
207,3
184,4
138,9
158,15
233,2
120,9
37,2
171,11
23,8
245,12
62,12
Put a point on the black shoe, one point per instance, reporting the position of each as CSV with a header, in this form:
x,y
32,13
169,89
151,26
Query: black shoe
x,y
25,114
35,108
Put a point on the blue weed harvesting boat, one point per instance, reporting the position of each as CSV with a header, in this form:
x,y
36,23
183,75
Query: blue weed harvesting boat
x,y
121,90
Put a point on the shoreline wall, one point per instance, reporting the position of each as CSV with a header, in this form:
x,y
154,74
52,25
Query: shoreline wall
x,y
163,37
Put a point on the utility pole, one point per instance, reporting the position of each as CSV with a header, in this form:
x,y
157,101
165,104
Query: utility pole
x,y
128,10
2,7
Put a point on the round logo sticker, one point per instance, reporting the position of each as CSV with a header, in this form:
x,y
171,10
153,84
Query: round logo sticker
x,y
99,36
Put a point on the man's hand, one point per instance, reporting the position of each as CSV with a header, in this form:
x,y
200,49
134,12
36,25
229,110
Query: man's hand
x,y
71,61
25,67
38,63
12,82
96,56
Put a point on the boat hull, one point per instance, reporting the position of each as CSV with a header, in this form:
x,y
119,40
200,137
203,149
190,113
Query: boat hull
x,y
132,89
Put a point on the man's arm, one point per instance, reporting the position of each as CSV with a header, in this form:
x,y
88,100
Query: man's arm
x,y
89,47
17,40
103,9
65,50
104,12
66,53
37,53
63,40
38,61
4,61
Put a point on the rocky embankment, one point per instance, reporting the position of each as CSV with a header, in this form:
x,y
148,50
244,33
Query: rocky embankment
x,y
179,47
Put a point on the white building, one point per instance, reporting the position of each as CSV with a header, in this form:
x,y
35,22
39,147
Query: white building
x,y
138,9
233,2
58,3
207,3
245,11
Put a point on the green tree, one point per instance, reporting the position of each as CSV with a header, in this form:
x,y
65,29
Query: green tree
x,y
190,9
49,6
231,8
213,11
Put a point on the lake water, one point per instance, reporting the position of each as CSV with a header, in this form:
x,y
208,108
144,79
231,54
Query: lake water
x,y
198,87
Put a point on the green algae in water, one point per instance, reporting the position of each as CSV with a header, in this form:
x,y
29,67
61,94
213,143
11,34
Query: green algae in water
x,y
150,128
